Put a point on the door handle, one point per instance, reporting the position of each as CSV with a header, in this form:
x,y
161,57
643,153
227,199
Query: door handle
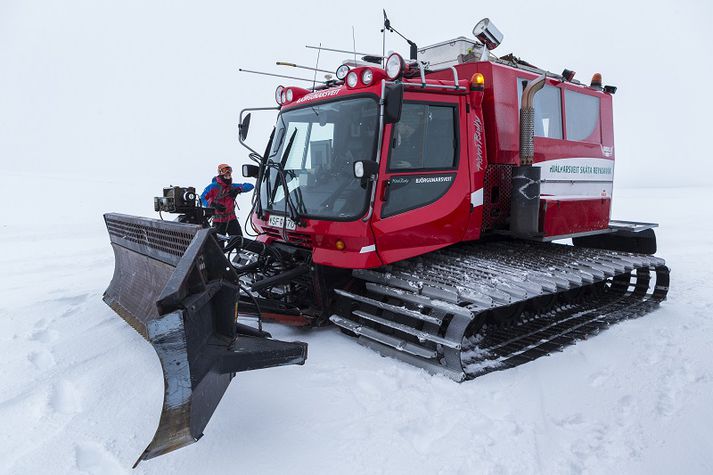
x,y
385,190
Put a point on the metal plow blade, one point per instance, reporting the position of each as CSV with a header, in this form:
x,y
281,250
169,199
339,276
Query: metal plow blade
x,y
173,284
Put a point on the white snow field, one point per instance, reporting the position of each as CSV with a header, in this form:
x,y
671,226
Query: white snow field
x,y
81,392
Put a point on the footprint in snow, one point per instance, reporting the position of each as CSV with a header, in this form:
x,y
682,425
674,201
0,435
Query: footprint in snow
x,y
626,406
45,336
42,359
93,458
599,378
73,304
66,398
569,421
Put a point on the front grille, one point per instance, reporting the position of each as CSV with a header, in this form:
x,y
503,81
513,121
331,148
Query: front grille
x,y
293,237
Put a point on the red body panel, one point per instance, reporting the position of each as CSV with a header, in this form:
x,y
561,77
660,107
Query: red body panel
x,y
576,184
322,236
501,113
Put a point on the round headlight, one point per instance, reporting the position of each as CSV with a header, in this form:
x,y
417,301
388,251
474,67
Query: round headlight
x,y
394,66
367,76
278,94
342,71
352,79
283,98
289,95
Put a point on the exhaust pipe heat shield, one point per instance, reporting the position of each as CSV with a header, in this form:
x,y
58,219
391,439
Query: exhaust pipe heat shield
x,y
174,285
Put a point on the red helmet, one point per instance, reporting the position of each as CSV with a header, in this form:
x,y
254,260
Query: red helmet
x,y
224,168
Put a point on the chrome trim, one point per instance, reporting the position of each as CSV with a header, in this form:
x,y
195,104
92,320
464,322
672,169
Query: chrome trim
x,y
375,179
433,86
527,119
422,71
455,77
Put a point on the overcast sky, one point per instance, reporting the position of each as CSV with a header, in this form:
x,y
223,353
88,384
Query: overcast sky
x,y
135,88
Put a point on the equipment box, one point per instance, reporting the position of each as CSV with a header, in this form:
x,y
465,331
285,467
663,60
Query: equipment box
x,y
564,216
445,54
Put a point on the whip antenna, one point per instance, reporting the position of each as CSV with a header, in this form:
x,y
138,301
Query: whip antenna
x,y
383,39
316,66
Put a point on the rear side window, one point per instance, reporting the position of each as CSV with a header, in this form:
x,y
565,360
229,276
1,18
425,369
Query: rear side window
x,y
424,138
548,110
582,111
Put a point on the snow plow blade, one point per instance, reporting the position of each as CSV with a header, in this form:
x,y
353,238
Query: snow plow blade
x,y
174,285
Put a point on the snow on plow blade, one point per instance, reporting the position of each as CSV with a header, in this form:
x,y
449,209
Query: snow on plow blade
x,y
173,284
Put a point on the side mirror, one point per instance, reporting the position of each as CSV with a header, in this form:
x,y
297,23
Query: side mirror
x,y
393,102
365,170
250,171
243,128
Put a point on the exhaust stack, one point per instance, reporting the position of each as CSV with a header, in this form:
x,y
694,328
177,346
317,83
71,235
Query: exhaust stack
x,y
525,205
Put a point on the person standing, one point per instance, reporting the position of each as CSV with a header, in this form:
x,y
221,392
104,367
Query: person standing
x,y
220,194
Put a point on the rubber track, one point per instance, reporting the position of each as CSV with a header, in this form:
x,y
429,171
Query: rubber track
x,y
506,303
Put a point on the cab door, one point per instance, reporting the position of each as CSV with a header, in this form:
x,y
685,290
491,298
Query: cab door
x,y
422,201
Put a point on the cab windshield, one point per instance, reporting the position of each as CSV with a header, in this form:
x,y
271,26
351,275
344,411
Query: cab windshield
x,y
316,147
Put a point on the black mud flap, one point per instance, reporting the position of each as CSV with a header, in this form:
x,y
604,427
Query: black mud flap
x,y
174,285
643,242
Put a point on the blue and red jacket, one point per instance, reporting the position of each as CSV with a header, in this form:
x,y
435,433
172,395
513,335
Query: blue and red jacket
x,y
219,192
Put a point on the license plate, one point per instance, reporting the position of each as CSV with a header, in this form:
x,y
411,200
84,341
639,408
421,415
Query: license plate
x,y
279,222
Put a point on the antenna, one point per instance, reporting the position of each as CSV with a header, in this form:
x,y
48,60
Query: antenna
x,y
383,40
343,51
277,75
354,44
310,68
316,66
414,48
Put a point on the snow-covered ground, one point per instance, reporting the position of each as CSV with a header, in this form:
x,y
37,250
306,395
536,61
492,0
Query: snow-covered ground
x,y
80,391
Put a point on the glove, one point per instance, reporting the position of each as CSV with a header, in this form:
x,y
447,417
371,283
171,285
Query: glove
x,y
218,206
235,192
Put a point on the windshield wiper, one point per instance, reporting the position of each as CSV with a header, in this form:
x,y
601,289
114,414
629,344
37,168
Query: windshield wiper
x,y
281,138
281,176
288,149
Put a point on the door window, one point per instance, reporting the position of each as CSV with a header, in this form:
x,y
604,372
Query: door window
x,y
423,140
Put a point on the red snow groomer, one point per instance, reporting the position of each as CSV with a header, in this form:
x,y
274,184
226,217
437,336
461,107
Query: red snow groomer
x,y
411,203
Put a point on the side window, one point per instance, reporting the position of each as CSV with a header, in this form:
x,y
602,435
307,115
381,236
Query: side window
x,y
582,112
424,138
548,110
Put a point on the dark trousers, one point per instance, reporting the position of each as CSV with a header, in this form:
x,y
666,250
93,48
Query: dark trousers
x,y
231,228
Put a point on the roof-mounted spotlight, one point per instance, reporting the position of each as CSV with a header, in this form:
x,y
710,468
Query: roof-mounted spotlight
x,y
395,66
610,89
488,34
279,95
352,79
342,71
568,75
